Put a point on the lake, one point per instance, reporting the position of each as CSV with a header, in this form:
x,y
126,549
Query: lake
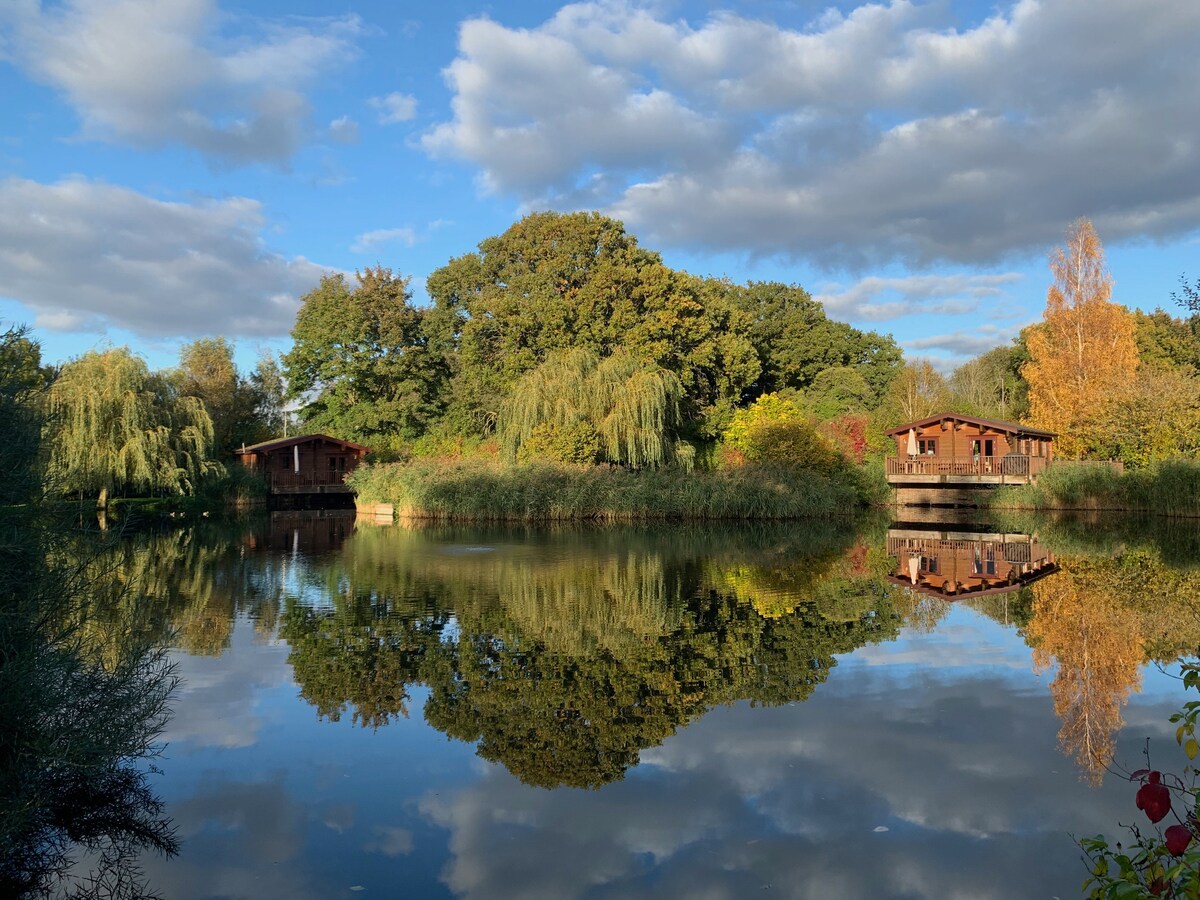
x,y
815,709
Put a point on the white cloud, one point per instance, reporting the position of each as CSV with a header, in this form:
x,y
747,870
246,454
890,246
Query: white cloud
x,y
83,252
159,72
966,343
394,108
368,240
878,299
391,841
344,130
882,133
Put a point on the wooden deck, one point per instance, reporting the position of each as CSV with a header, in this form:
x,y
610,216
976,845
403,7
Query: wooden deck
x,y
308,483
965,471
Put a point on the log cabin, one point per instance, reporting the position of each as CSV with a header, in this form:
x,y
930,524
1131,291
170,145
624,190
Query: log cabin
x,y
951,450
961,563
305,464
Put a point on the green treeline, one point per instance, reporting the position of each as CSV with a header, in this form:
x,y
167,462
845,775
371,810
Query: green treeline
x,y
563,341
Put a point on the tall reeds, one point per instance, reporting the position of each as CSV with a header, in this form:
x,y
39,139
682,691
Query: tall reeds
x,y
1171,489
489,490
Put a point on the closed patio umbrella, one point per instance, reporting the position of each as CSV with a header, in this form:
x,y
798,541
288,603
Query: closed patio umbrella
x,y
914,566
912,442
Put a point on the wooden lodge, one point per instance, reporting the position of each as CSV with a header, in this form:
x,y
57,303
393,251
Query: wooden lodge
x,y
305,464
957,564
938,454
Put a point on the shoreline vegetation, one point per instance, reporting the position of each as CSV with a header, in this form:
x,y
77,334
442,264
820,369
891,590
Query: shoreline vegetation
x,y
1170,488
482,489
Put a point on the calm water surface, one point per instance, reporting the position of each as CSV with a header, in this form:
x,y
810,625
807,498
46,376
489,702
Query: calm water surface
x,y
810,710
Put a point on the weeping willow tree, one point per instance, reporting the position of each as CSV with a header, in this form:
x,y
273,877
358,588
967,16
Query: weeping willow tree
x,y
632,405
114,425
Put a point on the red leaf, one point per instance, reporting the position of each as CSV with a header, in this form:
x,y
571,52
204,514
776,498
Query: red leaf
x,y
1177,839
1154,799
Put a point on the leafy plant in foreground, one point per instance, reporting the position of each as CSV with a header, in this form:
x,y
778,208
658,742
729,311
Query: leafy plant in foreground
x,y
1164,861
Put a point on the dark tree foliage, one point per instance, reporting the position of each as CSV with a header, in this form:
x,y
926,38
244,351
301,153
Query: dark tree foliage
x,y
22,381
796,342
75,728
555,282
361,361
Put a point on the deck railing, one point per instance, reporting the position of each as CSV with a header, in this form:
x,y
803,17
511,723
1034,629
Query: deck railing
x,y
289,480
1012,464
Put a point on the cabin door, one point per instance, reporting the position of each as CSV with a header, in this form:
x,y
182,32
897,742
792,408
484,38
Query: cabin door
x,y
983,451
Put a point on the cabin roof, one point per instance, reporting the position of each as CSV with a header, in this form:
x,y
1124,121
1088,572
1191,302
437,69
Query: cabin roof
x,y
283,443
993,424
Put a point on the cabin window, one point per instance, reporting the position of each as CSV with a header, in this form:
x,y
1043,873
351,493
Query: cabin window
x,y
927,446
985,559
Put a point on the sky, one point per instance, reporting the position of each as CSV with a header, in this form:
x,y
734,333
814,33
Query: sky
x,y
174,169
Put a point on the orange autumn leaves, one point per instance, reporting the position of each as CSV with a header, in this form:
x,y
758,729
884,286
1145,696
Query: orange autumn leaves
x,y
1080,623
1083,356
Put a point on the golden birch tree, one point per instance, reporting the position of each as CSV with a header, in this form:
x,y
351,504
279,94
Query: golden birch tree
x,y
1096,640
1083,355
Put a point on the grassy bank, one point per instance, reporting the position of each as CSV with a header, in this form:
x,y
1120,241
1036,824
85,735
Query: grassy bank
x,y
1169,489
489,490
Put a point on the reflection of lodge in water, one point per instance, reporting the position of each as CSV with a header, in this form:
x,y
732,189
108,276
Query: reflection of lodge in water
x,y
957,564
303,531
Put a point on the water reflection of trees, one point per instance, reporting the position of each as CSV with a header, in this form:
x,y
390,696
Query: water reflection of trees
x,y
565,653
79,710
1099,620
564,658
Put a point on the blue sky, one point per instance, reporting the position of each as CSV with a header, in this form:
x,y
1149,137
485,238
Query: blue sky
x,y
179,168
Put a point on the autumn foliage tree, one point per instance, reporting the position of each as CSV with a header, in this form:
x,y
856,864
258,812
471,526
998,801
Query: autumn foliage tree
x,y
1083,356
1081,624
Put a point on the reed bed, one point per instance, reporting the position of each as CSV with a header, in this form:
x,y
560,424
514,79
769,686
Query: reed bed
x,y
490,490
1168,489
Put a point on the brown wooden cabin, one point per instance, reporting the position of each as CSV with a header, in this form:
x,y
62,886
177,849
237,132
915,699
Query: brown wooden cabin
x,y
305,464
955,449
956,564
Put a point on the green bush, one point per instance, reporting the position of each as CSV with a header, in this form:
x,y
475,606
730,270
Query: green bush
x,y
577,443
776,429
792,443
